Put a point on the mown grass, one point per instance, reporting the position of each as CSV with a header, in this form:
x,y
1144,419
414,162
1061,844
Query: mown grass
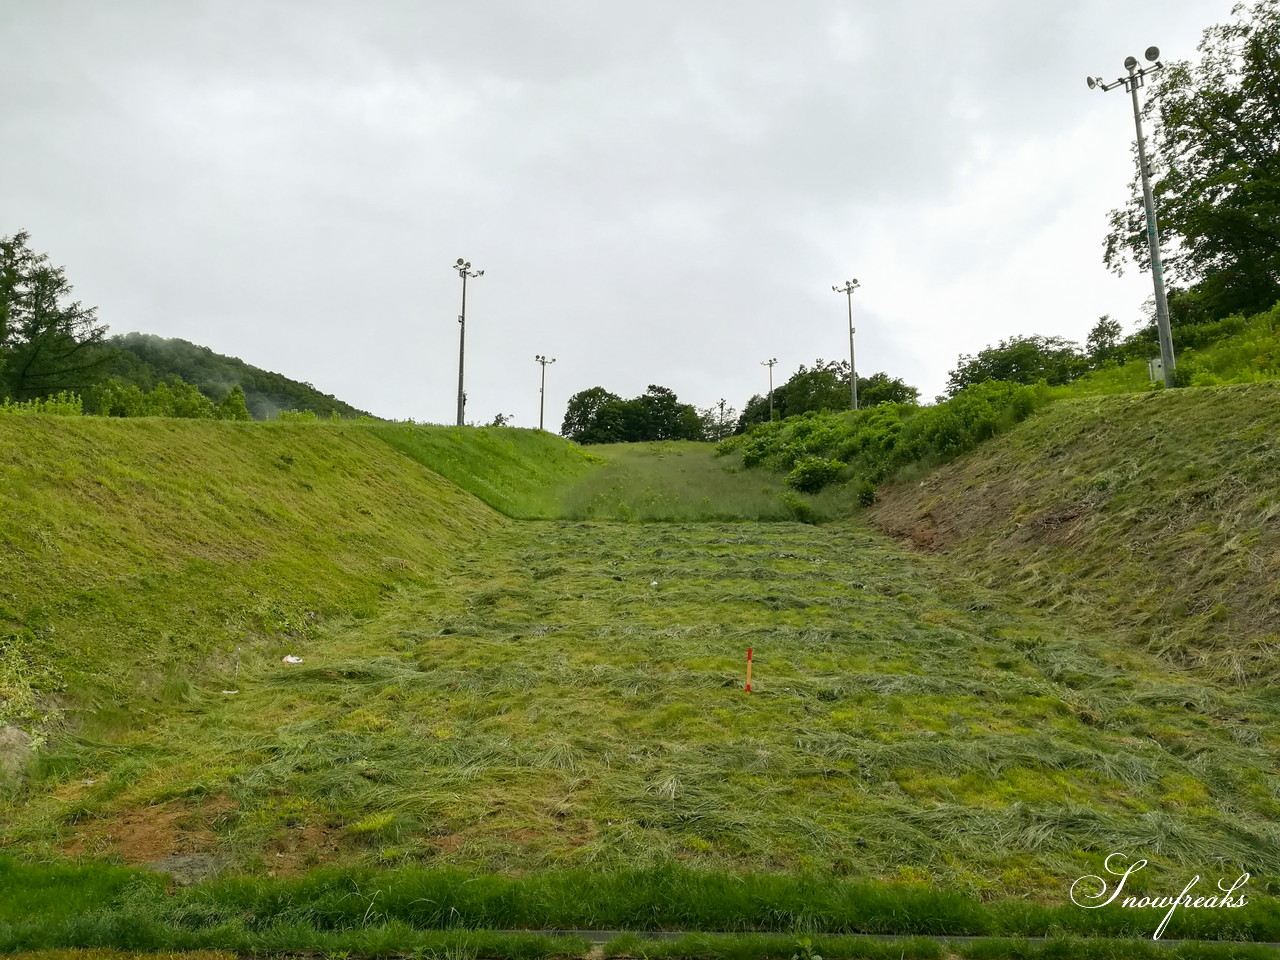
x,y
528,699
680,481
1150,515
129,549
569,695
688,482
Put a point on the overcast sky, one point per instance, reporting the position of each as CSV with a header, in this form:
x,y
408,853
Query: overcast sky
x,y
657,192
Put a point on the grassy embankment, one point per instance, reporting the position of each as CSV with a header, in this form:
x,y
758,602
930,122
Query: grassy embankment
x,y
568,695
1149,515
131,549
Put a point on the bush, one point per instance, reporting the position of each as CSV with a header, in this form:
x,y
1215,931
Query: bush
x,y
811,474
64,404
878,442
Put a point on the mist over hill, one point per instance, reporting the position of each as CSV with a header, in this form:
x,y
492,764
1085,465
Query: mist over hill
x,y
145,359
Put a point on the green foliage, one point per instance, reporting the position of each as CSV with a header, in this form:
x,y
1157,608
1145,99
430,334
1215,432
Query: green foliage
x,y
47,341
145,360
583,409
1215,168
811,474
170,397
880,441
1103,340
233,406
296,416
597,416
1231,350
1024,360
63,404
825,387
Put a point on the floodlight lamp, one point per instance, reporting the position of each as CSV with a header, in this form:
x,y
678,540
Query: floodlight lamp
x,y
460,261
1092,82
1130,62
1152,54
479,273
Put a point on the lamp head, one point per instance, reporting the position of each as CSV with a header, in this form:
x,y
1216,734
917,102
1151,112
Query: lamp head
x,y
1152,54
1091,82
1130,63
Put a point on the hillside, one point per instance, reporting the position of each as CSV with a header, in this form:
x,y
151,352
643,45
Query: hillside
x,y
1152,515
145,359
131,548
515,699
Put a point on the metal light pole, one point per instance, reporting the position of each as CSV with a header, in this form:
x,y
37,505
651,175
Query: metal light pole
x,y
847,290
464,270
769,364
1131,83
542,391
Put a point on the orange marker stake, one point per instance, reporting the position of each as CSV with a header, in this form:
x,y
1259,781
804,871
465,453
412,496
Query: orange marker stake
x,y
748,669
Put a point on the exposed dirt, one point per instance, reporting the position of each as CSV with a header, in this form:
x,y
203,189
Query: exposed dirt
x,y
15,748
295,851
146,835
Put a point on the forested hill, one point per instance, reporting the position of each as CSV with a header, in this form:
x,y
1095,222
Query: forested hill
x,y
145,359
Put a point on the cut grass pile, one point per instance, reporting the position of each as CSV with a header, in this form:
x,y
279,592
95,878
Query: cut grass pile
x,y
569,695
1150,515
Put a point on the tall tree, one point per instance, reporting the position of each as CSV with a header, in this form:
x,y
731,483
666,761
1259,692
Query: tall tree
x,y
584,407
47,341
1102,340
1215,167
598,416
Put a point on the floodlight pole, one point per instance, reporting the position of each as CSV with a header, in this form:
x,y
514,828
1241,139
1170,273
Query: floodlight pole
x,y
848,289
769,364
1131,83
464,270
542,391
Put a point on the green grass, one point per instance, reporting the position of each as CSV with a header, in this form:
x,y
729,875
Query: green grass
x,y
1238,350
1148,515
569,695
559,703
681,481
132,548
367,901
521,473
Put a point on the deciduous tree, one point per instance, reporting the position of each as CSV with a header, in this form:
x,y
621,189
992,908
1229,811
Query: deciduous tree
x,y
1214,126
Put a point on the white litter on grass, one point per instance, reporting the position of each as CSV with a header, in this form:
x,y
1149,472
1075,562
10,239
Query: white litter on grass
x,y
291,659
654,584
230,692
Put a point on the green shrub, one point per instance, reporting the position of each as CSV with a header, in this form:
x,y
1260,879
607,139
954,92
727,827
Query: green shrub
x,y
64,404
297,416
811,474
